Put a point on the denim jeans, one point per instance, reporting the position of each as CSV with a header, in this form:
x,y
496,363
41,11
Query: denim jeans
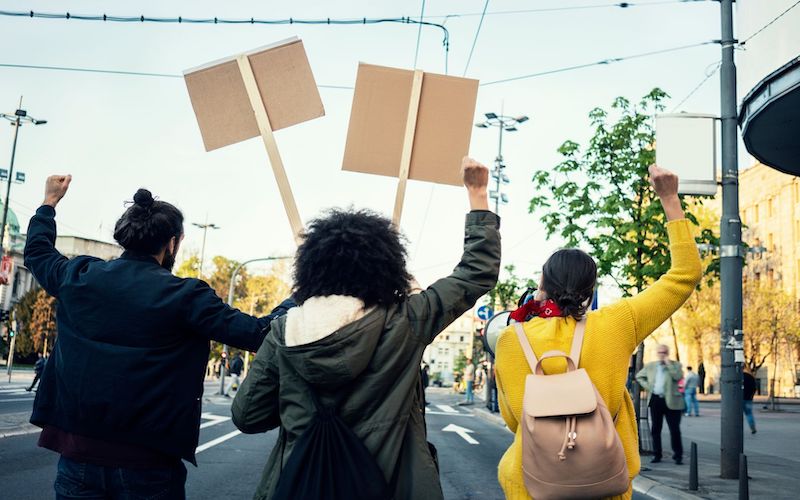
x,y
470,395
78,480
691,402
748,413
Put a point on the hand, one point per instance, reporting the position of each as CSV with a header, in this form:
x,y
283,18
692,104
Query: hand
x,y
665,184
476,180
55,189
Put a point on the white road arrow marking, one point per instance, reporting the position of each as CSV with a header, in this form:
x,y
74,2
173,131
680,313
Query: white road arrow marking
x,y
461,431
212,420
214,442
447,408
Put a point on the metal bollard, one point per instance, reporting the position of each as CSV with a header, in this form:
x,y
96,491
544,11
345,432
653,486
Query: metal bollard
x,y
744,481
693,468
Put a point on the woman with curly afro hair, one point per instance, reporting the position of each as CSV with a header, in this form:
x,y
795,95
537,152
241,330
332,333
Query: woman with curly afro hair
x,y
356,339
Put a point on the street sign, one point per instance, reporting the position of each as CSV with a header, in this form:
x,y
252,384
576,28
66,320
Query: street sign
x,y
484,312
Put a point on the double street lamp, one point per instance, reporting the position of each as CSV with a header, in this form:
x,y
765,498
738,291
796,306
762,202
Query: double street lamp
x,y
19,118
505,124
205,227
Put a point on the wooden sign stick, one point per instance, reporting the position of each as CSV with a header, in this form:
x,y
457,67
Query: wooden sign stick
x,y
262,118
408,146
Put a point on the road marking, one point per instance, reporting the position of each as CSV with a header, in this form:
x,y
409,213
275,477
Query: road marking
x,y
214,442
461,431
431,412
212,419
447,408
15,400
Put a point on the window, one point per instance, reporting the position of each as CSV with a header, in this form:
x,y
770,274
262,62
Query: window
x,y
770,243
757,213
744,217
461,338
771,207
770,276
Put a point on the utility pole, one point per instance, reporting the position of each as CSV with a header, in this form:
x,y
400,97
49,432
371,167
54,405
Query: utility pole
x,y
205,227
17,119
505,124
731,334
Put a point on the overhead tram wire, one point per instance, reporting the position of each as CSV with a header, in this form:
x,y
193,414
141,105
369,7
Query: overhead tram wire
x,y
773,21
603,62
709,74
622,5
475,39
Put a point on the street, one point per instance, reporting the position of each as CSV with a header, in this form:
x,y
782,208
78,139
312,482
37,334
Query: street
x,y
229,463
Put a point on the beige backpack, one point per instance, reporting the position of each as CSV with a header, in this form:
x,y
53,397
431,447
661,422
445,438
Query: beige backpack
x,y
570,448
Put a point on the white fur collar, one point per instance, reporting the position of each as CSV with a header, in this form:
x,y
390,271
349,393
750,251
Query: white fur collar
x,y
319,317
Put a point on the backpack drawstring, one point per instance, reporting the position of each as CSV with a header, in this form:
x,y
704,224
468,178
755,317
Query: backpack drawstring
x,y
570,435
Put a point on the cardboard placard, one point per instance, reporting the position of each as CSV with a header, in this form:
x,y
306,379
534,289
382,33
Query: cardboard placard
x,y
378,124
285,82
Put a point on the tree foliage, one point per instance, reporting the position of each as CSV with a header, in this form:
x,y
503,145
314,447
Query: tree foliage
x,y
770,320
600,196
506,292
35,315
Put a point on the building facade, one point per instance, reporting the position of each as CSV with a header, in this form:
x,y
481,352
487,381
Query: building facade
x,y
456,340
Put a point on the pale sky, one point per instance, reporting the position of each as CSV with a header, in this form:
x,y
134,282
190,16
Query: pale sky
x,y
118,133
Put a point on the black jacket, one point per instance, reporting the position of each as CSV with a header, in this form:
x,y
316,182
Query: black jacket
x,y
132,347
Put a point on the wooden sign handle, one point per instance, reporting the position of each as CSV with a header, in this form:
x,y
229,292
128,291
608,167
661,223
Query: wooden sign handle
x,y
264,127
408,146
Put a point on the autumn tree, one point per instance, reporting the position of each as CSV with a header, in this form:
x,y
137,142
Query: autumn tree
x,y
23,312
43,321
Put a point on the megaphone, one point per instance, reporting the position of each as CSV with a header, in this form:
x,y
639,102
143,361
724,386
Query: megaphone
x,y
492,330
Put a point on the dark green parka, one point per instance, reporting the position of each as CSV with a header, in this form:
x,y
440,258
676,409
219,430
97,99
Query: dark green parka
x,y
369,371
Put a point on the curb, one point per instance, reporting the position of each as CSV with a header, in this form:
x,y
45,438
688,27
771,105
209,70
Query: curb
x,y
657,491
492,418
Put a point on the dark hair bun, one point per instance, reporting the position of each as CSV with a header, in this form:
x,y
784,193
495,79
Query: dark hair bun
x,y
143,198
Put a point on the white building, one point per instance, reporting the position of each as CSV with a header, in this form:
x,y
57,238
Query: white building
x,y
455,340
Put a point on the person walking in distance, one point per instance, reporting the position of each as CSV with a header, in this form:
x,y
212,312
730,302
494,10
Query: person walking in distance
x,y
38,367
469,379
235,370
690,384
120,397
749,390
660,379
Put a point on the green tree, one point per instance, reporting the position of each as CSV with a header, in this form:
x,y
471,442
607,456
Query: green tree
x,y
506,292
600,197
189,267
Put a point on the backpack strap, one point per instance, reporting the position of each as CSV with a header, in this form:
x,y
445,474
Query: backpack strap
x,y
526,347
577,341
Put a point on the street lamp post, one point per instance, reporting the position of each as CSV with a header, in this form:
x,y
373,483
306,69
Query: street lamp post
x,y
17,119
205,227
505,124
234,274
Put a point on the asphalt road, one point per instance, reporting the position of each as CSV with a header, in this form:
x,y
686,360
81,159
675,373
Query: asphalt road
x,y
230,464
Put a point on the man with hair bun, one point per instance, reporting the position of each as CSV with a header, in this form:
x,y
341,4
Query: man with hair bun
x,y
120,398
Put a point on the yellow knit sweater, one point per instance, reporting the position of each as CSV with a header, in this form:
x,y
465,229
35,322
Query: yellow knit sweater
x,y
612,334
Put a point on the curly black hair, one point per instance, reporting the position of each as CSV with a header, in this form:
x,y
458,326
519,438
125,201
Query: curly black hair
x,y
357,253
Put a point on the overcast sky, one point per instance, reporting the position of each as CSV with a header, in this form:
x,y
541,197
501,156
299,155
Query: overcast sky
x,y
118,133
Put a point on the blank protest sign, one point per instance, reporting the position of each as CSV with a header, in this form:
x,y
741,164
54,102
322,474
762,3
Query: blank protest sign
x,y
686,144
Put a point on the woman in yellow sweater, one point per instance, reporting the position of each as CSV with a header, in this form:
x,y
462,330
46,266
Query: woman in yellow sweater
x,y
612,332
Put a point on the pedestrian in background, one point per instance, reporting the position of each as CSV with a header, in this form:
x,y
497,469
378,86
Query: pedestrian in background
x,y
612,332
352,350
235,370
690,384
38,368
469,379
660,379
749,390
119,399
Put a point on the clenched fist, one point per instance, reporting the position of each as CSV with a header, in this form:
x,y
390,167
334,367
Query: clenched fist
x,y
55,189
664,182
475,175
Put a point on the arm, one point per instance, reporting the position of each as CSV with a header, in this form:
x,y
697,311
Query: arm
x,y
430,311
255,408
47,265
216,320
655,305
643,381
